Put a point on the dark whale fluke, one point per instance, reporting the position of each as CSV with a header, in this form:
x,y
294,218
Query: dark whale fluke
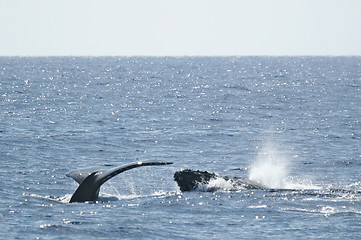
x,y
91,179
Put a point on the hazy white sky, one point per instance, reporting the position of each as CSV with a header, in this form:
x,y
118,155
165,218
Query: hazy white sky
x,y
180,27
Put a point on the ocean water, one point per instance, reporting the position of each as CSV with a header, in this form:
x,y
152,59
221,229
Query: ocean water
x,y
291,124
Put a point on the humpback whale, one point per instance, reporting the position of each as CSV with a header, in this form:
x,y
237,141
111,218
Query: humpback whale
x,y
91,179
189,180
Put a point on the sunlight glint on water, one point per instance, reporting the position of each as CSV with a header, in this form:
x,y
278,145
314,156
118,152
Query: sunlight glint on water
x,y
60,114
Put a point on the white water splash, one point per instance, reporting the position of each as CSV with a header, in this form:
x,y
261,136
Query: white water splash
x,y
216,184
271,168
63,199
158,194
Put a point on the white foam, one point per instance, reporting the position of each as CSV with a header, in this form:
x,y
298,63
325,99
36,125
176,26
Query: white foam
x,y
63,199
104,197
216,184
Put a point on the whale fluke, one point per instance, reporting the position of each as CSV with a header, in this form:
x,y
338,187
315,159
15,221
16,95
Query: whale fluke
x,y
91,179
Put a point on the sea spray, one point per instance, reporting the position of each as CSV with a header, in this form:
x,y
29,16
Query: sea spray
x,y
270,168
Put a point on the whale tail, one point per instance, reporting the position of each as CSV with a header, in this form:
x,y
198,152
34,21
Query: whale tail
x,y
91,179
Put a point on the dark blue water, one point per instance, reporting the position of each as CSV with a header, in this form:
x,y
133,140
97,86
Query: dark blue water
x,y
289,123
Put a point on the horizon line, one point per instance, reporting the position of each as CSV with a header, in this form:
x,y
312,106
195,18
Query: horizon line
x,y
180,56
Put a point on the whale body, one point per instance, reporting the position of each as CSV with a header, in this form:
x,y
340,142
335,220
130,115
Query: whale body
x,y
91,179
190,180
193,180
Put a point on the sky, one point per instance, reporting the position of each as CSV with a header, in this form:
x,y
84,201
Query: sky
x,y
180,27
